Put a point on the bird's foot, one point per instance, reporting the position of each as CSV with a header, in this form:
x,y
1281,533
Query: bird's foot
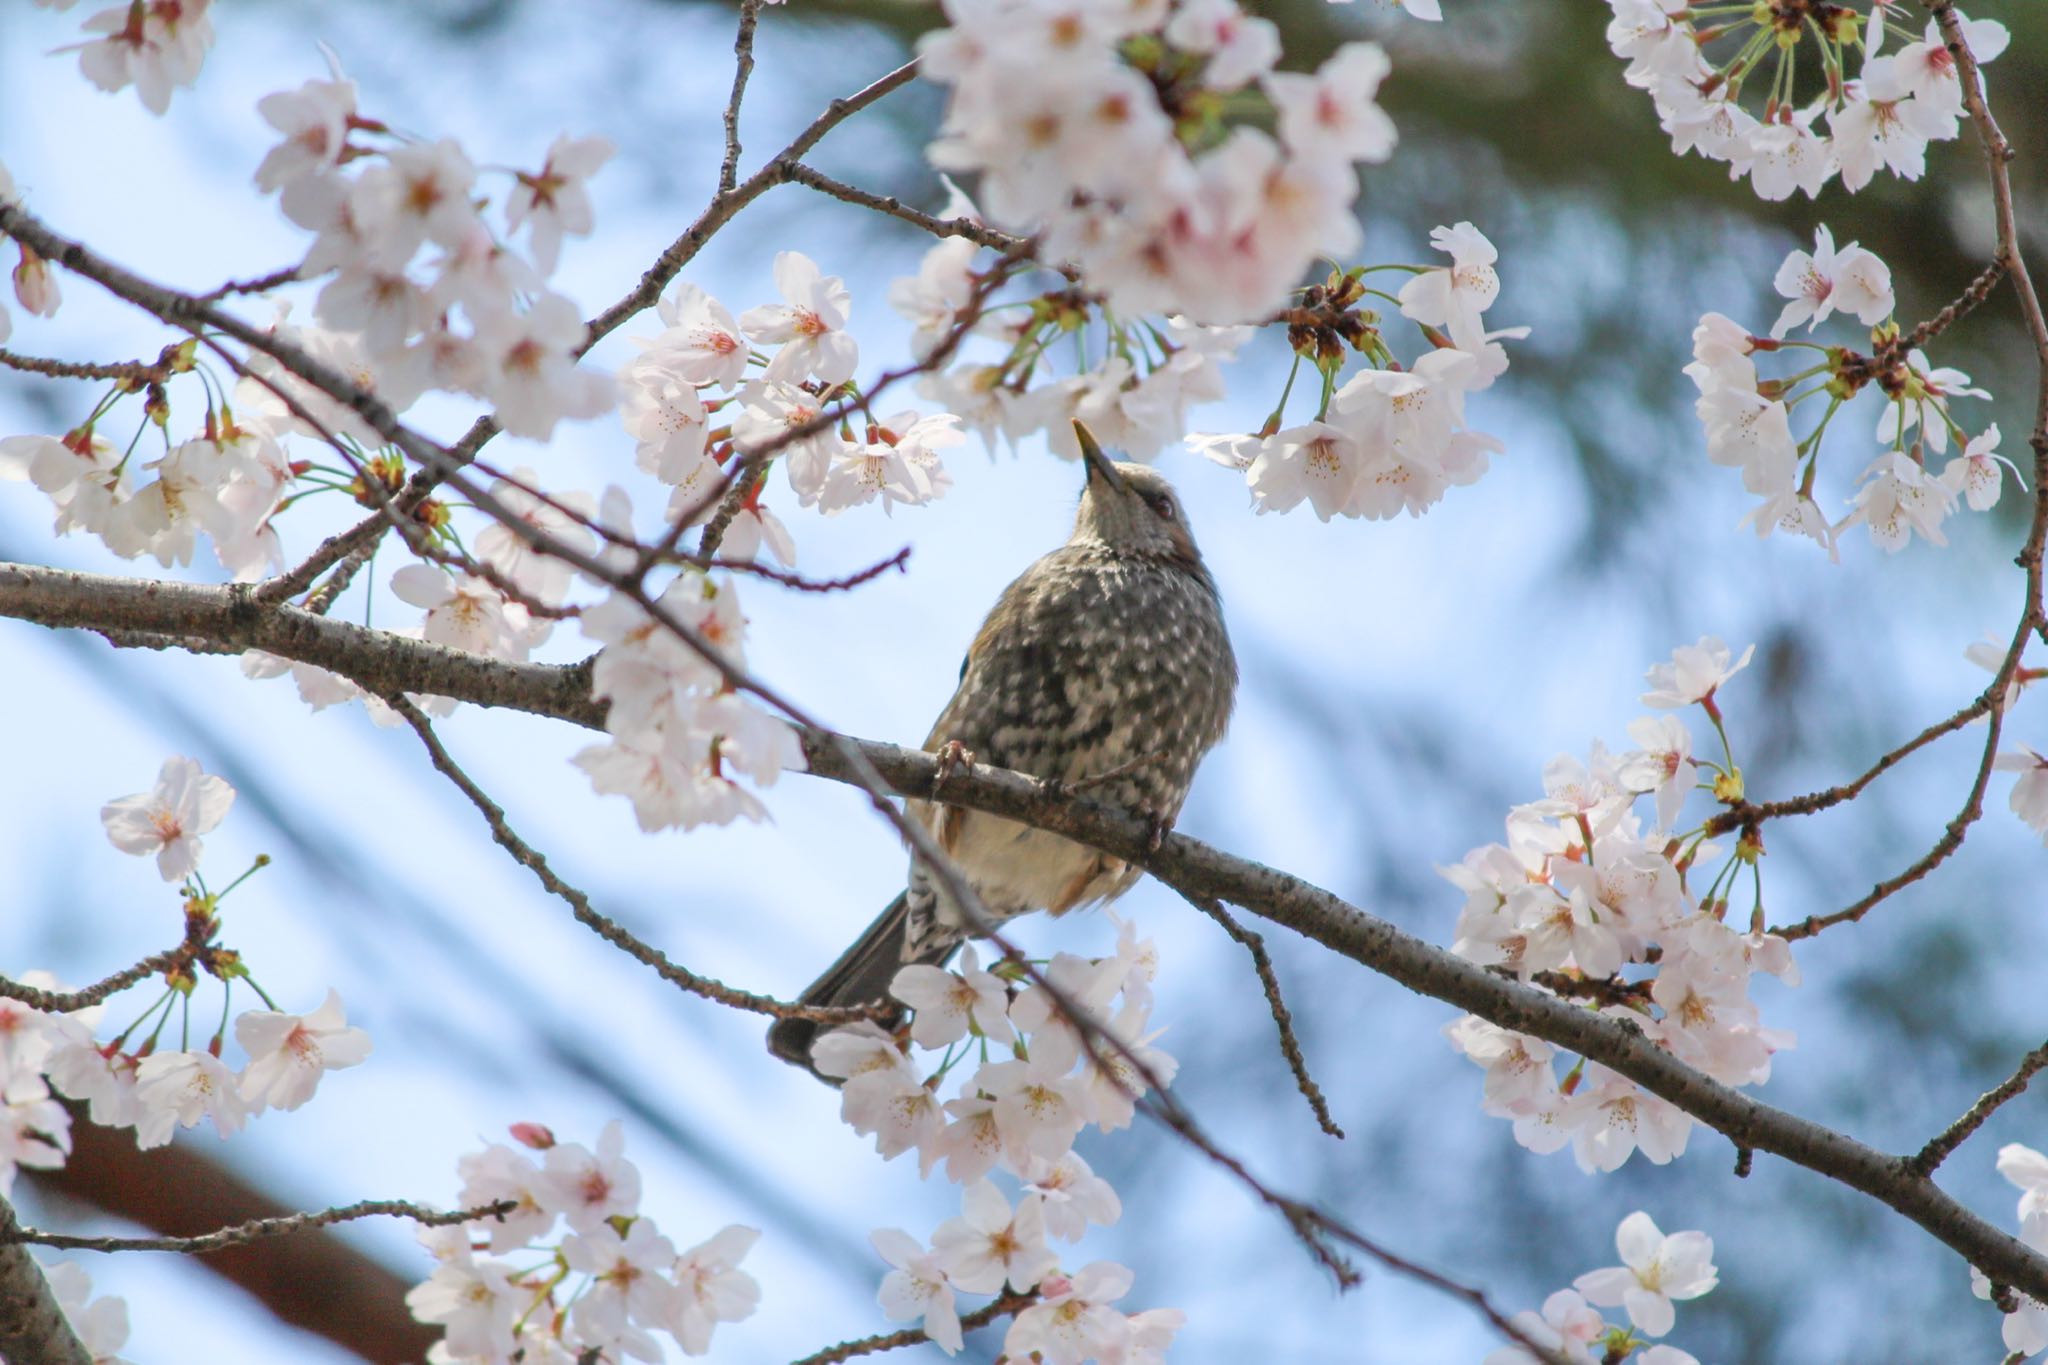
x,y
952,757
1157,828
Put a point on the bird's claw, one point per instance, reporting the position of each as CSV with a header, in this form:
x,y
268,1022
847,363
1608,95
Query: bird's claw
x,y
1158,827
952,757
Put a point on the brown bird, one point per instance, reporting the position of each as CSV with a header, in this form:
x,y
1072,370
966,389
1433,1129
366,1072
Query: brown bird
x,y
1105,663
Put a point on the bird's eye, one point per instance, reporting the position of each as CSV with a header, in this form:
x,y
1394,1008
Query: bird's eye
x,y
1162,505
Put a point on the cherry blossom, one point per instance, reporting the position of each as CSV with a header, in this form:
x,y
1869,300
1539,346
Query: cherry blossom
x,y
496,1175
917,1288
629,1289
467,612
555,202
711,1288
2029,797
35,1130
1897,498
810,323
703,343
168,820
1072,1320
1882,124
155,46
314,122
288,1053
103,1078
1071,1196
35,287
101,1324
1239,47
1927,70
589,1187
82,474
1852,279
1333,113
537,574
1454,297
177,1089
475,1302
1975,474
1655,1270
950,1003
1694,674
1316,461
1663,765
1924,403
989,1244
530,369
1566,1326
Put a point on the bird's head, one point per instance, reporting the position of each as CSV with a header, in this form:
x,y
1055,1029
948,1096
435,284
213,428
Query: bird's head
x,y
1131,507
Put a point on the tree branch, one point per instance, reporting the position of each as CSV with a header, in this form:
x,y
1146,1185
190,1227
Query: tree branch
x,y
384,664
606,928
33,1329
256,1229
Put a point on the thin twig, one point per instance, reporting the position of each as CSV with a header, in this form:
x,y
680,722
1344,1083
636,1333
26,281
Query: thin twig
x,y
256,1229
802,584
742,67
1744,813
262,284
579,904
1953,1136
63,1002
912,1336
1262,963
133,371
972,229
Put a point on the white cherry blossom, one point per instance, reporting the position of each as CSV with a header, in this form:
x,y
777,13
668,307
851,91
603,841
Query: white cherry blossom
x,y
289,1053
1817,283
1655,1270
167,821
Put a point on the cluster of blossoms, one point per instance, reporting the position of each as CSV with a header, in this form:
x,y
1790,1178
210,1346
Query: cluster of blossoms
x,y
225,481
1885,115
375,202
679,730
130,1082
608,1279
153,45
1133,387
1101,127
671,392
1019,1112
1391,438
1580,892
1654,1271
1748,418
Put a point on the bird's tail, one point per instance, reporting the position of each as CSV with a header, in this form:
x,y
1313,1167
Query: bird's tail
x,y
860,976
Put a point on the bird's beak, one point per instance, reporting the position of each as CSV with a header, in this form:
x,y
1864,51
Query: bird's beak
x,y
1100,467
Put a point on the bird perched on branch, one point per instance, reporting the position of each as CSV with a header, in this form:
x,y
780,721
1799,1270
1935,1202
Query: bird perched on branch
x,y
1104,665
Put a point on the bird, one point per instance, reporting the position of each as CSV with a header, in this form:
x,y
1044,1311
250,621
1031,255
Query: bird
x,y
1105,665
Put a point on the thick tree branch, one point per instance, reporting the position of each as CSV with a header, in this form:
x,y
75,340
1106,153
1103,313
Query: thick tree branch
x,y
383,664
33,1329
